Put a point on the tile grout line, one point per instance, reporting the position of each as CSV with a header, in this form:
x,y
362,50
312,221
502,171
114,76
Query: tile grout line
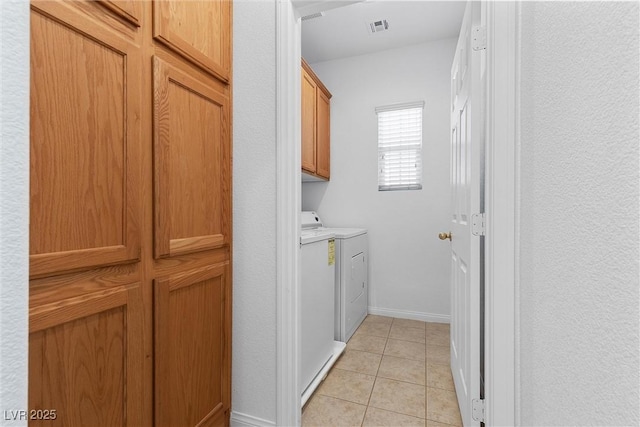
x,y
374,384
427,343
383,355
398,339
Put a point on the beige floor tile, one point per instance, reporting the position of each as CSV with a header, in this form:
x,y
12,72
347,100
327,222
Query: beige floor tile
x,y
359,361
352,386
407,333
409,323
377,329
443,327
328,411
395,368
399,368
439,376
438,355
397,396
431,423
370,343
405,349
374,318
437,337
382,418
442,406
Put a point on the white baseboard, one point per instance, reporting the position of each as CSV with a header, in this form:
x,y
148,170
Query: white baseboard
x,y
239,419
415,315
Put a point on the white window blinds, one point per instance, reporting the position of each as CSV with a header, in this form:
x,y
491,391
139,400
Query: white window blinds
x,y
400,147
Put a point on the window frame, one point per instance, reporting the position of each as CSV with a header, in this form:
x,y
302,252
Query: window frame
x,y
409,146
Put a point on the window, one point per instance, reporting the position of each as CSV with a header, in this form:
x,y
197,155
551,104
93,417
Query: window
x,y
400,147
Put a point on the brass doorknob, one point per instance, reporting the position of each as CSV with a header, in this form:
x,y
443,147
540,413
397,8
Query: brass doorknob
x,y
445,236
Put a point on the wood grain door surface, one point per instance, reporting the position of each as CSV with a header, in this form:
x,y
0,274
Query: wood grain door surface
x,y
308,122
323,134
316,124
130,221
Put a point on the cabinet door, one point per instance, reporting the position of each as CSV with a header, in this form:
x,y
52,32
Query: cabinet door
x,y
130,182
308,123
198,30
129,10
85,134
323,131
192,347
192,163
86,359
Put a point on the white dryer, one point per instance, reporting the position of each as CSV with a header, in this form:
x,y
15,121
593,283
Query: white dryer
x,y
351,274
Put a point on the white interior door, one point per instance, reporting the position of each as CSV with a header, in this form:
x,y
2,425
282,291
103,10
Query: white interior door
x,y
466,145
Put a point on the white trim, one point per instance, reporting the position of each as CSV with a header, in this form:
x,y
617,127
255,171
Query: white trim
x,y
414,315
309,7
238,419
401,106
501,259
338,349
288,206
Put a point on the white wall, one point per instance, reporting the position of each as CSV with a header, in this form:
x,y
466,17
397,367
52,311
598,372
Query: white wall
x,y
14,207
409,266
254,212
579,251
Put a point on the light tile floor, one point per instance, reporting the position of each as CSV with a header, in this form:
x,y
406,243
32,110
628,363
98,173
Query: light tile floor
x,y
394,372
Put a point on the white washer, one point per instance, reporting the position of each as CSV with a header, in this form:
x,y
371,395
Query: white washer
x,y
351,276
317,303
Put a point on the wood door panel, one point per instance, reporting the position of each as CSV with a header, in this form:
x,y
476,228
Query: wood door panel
x,y
85,359
192,351
191,162
130,181
308,123
84,132
129,10
196,30
323,132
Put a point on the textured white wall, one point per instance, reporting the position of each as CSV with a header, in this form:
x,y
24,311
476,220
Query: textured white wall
x,y
409,266
579,313
14,207
254,209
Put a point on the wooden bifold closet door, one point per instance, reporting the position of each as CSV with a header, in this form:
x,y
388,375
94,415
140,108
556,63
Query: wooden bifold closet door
x,y
130,222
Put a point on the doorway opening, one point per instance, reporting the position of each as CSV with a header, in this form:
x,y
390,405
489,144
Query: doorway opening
x,y
500,383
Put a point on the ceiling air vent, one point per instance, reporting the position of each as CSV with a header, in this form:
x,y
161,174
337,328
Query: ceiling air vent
x,y
313,16
378,26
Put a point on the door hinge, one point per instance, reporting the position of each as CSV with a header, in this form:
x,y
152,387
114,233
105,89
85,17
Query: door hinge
x,y
479,38
478,224
477,410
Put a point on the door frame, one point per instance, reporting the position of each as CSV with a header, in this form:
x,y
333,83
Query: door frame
x,y
288,207
502,182
502,238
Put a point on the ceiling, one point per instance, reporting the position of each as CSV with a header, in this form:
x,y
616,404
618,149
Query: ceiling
x,y
343,32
